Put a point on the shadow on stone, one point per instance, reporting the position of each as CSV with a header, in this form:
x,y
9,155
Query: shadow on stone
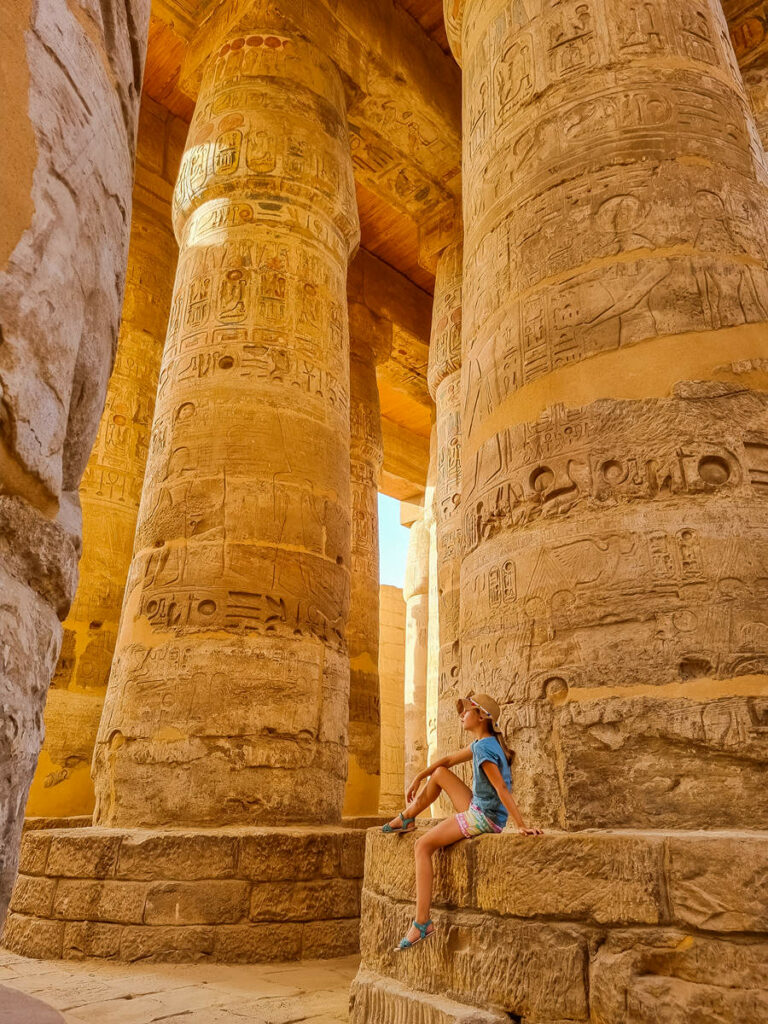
x,y
16,1007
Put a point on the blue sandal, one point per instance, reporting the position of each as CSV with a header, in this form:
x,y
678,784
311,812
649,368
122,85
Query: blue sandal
x,y
408,825
406,943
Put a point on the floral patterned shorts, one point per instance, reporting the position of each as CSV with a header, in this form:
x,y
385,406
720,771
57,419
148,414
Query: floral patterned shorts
x,y
473,822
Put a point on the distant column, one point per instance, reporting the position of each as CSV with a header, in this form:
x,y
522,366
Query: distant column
x,y
361,796
416,594
444,376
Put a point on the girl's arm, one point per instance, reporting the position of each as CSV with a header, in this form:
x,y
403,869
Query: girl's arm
x,y
448,761
496,779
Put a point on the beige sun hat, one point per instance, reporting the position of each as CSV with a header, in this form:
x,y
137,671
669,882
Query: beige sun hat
x,y
483,701
486,703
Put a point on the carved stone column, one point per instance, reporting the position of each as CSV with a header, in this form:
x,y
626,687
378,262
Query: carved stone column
x,y
444,380
615,421
416,594
366,454
110,492
748,24
230,686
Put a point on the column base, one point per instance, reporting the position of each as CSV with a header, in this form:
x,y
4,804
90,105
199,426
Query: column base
x,y
570,927
229,895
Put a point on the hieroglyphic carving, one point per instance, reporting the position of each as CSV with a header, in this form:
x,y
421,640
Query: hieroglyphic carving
x,y
615,194
231,668
398,180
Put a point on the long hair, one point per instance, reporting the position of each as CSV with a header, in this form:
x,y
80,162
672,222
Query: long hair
x,y
495,731
508,751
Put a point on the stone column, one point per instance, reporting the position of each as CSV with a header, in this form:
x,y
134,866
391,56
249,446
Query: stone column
x,y
366,454
230,686
615,422
416,594
433,629
748,23
444,378
109,494
391,679
70,88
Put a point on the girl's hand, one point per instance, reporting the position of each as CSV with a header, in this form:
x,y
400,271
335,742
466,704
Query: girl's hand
x,y
529,831
413,789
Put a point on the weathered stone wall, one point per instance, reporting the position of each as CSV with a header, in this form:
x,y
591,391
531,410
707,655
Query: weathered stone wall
x,y
391,683
110,490
229,691
71,78
615,413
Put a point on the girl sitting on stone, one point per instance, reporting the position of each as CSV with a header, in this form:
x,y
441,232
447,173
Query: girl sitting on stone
x,y
484,808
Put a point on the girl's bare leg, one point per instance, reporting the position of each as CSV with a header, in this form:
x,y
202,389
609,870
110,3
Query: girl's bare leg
x,y
441,780
444,834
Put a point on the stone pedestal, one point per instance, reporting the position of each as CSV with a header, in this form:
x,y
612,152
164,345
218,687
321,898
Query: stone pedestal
x,y
365,457
652,927
228,698
110,492
232,895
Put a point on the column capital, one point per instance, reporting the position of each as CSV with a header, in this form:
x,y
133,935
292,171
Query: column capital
x,y
239,142
453,13
417,563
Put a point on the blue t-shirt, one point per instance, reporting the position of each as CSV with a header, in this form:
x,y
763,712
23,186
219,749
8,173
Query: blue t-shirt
x,y
483,793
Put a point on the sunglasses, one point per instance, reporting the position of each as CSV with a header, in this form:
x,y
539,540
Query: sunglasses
x,y
475,706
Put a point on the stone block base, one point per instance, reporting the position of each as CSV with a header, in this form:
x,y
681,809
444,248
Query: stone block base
x,y
233,895
652,927
373,998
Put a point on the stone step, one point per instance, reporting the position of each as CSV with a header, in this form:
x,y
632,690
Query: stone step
x,y
374,998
